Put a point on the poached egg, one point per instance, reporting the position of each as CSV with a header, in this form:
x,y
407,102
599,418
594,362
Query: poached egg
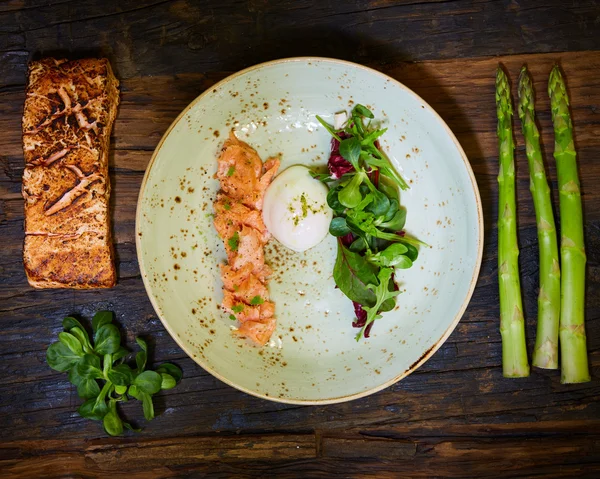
x,y
295,209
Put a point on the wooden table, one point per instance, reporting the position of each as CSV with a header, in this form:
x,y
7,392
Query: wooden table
x,y
455,416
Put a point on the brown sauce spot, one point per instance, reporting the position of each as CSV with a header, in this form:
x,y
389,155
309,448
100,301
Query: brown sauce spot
x,y
177,199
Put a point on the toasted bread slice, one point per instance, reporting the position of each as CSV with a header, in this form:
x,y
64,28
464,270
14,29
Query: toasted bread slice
x,y
67,120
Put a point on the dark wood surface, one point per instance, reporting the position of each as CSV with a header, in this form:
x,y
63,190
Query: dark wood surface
x,y
454,417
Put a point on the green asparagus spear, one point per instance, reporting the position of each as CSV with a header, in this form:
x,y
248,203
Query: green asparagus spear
x,y
545,353
574,361
512,324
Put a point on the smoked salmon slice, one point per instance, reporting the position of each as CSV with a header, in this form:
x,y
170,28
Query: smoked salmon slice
x,y
238,221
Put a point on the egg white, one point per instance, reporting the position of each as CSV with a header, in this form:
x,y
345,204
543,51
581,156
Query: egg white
x,y
295,209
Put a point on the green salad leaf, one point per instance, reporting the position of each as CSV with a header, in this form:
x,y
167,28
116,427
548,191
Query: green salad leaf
x,y
369,219
352,274
100,374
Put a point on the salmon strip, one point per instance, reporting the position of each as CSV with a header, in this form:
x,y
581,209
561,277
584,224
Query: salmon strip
x,y
260,333
246,312
232,214
238,221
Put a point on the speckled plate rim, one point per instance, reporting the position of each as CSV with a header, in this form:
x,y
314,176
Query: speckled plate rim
x,y
429,352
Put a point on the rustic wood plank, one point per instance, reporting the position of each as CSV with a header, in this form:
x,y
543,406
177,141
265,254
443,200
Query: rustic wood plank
x,y
474,343
442,411
448,455
158,37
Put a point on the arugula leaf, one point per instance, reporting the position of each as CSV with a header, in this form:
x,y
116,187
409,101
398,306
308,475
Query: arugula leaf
x,y
352,273
328,127
350,150
372,137
375,159
363,111
382,294
322,177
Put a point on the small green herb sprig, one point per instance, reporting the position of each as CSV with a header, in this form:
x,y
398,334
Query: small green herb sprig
x,y
360,148
370,211
101,375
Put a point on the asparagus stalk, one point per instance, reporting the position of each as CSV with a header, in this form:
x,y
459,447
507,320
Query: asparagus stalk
x,y
512,324
574,361
545,353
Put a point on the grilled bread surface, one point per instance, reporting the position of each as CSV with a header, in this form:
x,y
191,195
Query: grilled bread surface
x,y
69,112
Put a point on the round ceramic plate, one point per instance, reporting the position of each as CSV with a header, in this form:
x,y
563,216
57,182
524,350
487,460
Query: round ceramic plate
x,y
313,357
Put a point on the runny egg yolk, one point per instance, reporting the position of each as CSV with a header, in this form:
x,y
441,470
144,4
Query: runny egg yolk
x,y
295,209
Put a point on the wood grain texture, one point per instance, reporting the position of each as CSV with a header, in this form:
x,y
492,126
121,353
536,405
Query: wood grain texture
x,y
158,37
454,417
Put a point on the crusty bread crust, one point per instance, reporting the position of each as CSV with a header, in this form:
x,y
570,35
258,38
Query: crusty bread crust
x,y
67,120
